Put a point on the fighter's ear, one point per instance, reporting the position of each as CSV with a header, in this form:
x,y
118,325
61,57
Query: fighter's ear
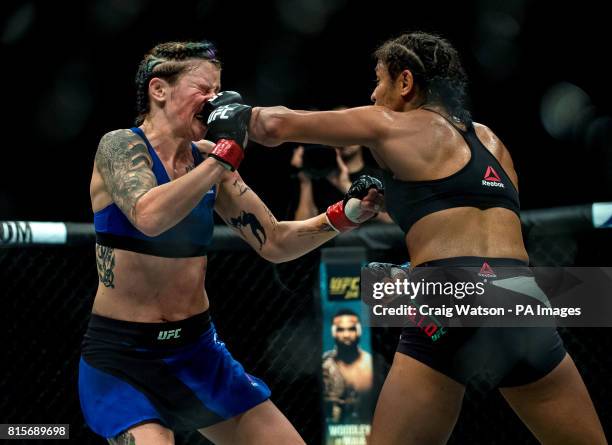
x,y
158,90
406,82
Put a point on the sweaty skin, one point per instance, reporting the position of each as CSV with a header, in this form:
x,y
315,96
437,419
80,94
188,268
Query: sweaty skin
x,y
134,286
415,145
145,288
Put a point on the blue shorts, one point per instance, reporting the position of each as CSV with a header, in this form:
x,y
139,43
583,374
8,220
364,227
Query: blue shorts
x,y
178,374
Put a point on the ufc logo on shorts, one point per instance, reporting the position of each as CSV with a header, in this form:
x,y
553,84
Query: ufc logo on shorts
x,y
166,335
220,113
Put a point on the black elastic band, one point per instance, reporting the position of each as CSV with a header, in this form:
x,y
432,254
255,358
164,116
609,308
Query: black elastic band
x,y
168,250
473,261
134,334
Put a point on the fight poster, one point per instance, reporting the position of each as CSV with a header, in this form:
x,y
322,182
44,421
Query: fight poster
x,y
346,364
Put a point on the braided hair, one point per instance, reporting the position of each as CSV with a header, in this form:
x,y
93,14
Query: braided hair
x,y
435,66
168,61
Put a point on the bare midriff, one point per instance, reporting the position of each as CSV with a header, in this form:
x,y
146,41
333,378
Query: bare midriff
x,y
153,289
466,231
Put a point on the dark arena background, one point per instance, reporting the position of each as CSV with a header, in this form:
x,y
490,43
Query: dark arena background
x,y
538,77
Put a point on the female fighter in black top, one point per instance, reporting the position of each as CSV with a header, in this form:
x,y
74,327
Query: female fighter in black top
x,y
452,188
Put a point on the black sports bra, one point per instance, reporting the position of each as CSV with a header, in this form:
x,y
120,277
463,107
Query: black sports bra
x,y
481,183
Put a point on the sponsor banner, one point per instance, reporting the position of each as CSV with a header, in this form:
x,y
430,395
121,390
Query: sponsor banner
x,y
434,298
26,232
346,364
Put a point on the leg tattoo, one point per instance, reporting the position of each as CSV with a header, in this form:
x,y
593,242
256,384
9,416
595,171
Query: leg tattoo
x,y
126,438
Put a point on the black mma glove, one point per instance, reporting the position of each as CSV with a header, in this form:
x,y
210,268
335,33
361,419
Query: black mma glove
x,y
347,214
228,123
222,98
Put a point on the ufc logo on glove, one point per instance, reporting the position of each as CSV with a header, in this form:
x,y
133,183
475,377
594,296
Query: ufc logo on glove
x,y
221,113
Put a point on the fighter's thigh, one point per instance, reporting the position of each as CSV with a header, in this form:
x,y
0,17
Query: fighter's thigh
x,y
557,408
145,434
261,425
417,405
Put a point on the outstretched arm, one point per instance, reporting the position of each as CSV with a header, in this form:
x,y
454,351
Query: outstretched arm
x,y
363,125
125,165
276,241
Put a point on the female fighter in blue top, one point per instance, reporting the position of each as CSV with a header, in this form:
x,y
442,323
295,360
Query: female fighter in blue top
x,y
151,360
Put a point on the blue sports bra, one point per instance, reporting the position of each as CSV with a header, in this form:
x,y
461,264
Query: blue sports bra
x,y
189,238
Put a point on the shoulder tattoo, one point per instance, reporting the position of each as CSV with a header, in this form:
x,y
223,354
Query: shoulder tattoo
x,y
125,164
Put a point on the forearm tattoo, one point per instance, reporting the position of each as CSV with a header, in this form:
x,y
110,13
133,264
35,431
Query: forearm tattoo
x,y
273,220
241,186
320,228
125,164
105,262
126,438
248,219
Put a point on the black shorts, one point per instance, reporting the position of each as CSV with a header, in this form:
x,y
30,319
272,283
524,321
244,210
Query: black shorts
x,y
489,356
178,374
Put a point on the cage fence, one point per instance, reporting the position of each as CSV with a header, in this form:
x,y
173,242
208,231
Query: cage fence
x,y
268,316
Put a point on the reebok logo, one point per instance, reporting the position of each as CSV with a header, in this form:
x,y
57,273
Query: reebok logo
x,y
486,271
166,335
491,175
492,179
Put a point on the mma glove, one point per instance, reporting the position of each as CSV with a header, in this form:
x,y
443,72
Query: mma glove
x,y
228,122
220,99
347,214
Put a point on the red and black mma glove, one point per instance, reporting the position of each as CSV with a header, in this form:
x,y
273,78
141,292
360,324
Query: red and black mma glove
x,y
347,214
228,122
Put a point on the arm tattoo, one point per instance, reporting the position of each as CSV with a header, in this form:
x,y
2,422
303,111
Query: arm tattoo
x,y
249,219
125,164
273,220
321,228
126,438
105,261
241,186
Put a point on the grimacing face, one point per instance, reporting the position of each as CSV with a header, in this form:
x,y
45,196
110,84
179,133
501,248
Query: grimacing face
x,y
187,97
346,329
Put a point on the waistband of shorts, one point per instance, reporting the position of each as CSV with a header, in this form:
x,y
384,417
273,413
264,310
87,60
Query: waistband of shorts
x,y
132,333
474,261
